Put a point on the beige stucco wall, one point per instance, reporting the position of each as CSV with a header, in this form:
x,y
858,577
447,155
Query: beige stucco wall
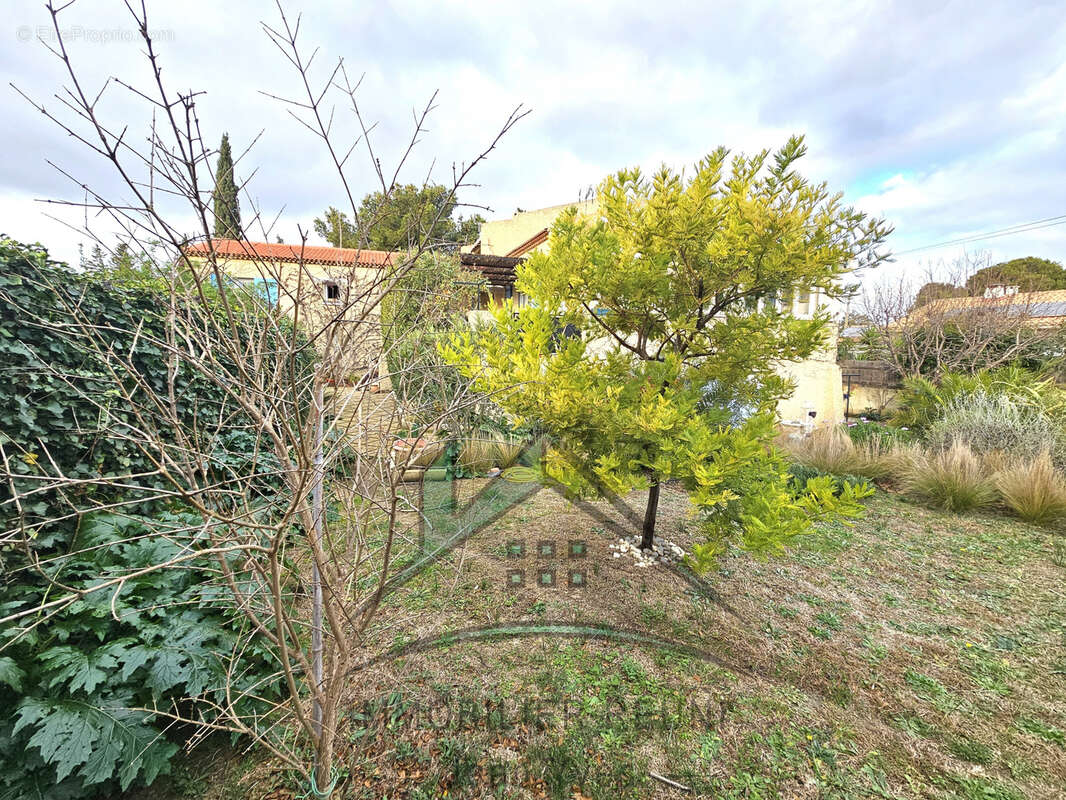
x,y
818,389
500,236
870,398
818,382
304,285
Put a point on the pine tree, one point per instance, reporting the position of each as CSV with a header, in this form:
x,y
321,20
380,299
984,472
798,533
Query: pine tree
x,y
400,220
227,206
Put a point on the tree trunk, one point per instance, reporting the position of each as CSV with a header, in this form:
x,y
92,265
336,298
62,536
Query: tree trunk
x,y
648,538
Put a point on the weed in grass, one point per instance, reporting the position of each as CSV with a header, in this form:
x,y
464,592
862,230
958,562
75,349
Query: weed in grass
x,y
1058,554
1049,733
651,614
404,751
840,693
632,669
930,689
774,633
828,539
710,747
969,750
989,670
557,765
914,725
875,651
828,622
459,761
978,788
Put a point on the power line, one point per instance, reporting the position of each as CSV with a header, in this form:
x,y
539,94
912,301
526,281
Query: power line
x,y
1023,227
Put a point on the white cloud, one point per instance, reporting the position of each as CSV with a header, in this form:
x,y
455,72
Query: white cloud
x,y
934,116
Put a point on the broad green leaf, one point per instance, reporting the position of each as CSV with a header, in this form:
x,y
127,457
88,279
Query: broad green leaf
x,y
64,733
166,670
79,669
11,674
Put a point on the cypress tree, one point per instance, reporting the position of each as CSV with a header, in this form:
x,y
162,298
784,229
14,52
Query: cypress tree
x,y
227,206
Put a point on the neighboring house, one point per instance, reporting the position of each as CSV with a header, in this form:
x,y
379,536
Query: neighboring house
x,y
329,285
1038,309
334,285
817,379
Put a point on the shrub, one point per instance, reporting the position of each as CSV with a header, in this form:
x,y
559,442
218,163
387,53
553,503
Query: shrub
x,y
799,475
52,381
922,402
1034,490
68,692
994,422
953,479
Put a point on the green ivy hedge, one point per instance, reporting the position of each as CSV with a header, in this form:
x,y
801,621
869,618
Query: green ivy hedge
x,y
70,682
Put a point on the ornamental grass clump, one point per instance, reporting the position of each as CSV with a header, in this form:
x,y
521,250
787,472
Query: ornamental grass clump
x,y
508,450
477,454
827,450
831,451
1034,490
954,479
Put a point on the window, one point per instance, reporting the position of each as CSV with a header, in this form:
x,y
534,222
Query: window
x,y
265,289
331,292
803,305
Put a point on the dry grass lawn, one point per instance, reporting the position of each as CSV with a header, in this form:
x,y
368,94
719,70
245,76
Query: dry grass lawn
x,y
915,655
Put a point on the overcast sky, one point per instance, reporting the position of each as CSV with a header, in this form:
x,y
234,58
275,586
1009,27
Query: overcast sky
x,y
949,119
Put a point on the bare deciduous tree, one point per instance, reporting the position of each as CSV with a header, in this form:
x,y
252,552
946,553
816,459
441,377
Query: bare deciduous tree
x,y
309,565
955,333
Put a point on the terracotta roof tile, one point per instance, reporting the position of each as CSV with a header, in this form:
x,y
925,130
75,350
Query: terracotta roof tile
x,y
309,254
1033,301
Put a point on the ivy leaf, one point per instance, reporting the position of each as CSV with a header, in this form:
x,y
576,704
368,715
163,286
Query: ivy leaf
x,y
11,674
64,733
